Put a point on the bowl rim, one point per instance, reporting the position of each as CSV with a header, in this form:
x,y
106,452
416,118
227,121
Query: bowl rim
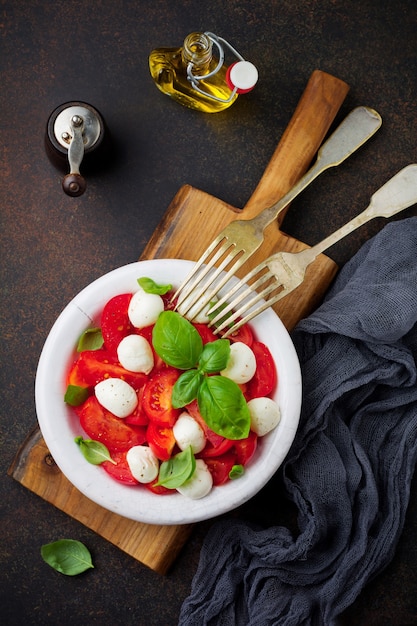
x,y
91,480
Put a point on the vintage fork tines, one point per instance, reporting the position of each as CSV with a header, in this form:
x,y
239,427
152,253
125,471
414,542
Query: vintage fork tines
x,y
241,238
283,272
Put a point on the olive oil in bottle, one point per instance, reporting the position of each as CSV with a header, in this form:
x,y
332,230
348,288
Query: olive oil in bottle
x,y
192,76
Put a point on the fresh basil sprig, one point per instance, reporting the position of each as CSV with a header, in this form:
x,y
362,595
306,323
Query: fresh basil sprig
x,y
150,286
67,556
94,452
220,400
179,468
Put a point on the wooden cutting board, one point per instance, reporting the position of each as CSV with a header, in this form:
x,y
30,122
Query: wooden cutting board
x,y
190,223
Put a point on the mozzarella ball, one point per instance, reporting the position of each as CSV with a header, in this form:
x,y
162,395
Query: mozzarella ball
x,y
200,483
142,463
188,432
144,308
264,415
117,396
241,365
135,354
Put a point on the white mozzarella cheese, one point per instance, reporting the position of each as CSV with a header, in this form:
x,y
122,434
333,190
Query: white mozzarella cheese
x,y
135,354
142,463
264,415
117,396
188,432
200,483
144,308
241,365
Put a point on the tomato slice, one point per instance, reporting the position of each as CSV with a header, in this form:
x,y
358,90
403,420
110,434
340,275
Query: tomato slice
x,y
243,334
156,398
205,332
245,448
161,440
120,471
101,425
75,376
265,379
159,489
97,365
220,467
138,417
115,323
211,450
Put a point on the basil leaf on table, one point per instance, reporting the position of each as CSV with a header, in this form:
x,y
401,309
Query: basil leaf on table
x,y
150,286
223,407
67,556
176,341
215,356
94,452
186,388
179,468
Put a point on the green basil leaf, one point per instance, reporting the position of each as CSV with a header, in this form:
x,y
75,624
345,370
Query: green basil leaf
x,y
75,395
179,468
236,472
67,556
91,339
176,340
215,356
223,407
186,388
94,452
150,286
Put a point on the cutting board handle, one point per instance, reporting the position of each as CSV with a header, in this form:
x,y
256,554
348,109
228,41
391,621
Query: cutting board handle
x,y
308,126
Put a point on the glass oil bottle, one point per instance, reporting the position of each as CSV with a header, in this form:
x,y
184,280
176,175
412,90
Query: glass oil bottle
x,y
195,78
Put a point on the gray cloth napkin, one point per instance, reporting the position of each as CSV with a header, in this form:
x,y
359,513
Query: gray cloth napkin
x,y
350,467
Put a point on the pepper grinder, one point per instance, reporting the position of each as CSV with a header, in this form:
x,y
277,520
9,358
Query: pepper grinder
x,y
75,130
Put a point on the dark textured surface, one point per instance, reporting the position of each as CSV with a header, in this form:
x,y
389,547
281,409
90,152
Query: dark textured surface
x,y
53,245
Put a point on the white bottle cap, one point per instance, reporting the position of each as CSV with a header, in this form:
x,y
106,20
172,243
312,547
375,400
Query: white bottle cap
x,y
243,75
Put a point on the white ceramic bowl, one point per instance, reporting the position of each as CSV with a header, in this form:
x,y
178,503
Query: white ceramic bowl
x,y
59,423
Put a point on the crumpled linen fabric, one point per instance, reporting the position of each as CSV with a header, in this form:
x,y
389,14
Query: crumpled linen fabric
x,y
349,469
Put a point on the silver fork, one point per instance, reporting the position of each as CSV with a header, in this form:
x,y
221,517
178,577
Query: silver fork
x,y
282,272
241,238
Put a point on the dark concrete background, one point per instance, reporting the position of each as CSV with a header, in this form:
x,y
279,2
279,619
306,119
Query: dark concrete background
x,y
53,245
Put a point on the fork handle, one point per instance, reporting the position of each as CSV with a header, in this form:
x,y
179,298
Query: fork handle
x,y
298,145
351,134
398,193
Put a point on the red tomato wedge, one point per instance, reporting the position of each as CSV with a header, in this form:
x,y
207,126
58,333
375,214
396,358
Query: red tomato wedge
x,y
205,333
156,397
245,448
161,440
265,379
93,366
243,334
101,425
211,451
120,471
220,467
158,489
115,323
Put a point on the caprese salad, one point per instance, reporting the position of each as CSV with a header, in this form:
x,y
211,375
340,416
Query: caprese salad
x,y
166,403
